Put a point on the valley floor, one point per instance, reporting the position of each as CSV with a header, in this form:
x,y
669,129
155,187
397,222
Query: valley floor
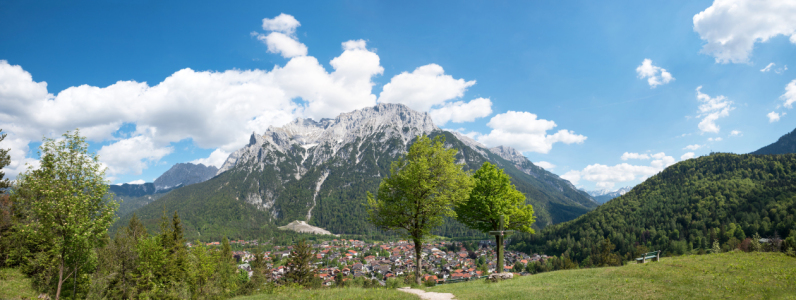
x,y
734,275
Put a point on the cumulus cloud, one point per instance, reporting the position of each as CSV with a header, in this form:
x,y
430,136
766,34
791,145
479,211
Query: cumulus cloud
x,y
545,165
711,109
186,105
217,159
688,155
283,44
655,75
631,155
732,27
459,111
607,176
693,147
774,116
790,94
736,133
131,156
524,132
423,88
283,23
282,40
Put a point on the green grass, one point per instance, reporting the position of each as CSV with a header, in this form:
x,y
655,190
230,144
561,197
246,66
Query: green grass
x,y
334,293
734,275
14,285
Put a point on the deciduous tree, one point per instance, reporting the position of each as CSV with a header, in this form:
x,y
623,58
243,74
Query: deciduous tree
x,y
68,203
493,196
421,189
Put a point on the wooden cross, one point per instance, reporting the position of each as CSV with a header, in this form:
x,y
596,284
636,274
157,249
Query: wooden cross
x,y
499,234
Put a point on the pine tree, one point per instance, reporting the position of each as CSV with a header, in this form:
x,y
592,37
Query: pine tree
x,y
299,264
5,160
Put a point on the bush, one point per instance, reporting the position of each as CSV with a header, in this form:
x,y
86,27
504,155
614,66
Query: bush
x,y
429,283
393,283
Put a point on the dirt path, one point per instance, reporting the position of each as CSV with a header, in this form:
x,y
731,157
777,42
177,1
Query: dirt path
x,y
428,295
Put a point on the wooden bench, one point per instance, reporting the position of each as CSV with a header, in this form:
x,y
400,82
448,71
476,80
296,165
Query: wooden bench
x,y
654,256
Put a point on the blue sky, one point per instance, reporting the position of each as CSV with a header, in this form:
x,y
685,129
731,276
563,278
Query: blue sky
x,y
153,84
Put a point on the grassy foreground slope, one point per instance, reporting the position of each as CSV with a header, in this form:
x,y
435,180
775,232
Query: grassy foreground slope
x,y
332,293
733,275
14,285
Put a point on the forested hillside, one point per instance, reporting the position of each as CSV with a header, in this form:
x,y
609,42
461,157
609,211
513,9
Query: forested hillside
x,y
724,197
785,144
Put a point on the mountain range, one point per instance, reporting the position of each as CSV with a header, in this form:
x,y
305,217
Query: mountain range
x,y
785,144
602,196
320,171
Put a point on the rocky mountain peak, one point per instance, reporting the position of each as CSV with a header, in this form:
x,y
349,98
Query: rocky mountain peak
x,y
509,154
184,174
322,139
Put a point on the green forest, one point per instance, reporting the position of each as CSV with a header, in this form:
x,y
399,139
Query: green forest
x,y
730,199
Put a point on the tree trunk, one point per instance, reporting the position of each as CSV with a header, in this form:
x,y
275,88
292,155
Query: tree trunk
x,y
419,266
499,267
60,279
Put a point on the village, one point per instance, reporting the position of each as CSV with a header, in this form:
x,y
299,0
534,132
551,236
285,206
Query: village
x,y
441,261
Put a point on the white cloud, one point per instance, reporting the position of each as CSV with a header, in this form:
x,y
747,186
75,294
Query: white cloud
x,y
631,155
186,105
711,110
732,27
425,87
688,155
717,139
607,176
139,181
790,94
283,23
524,132
283,44
545,165
781,70
655,75
774,116
217,159
767,68
131,155
693,147
459,112
736,133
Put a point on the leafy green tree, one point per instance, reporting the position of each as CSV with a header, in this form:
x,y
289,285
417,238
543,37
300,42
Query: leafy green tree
x,y
494,196
299,264
5,160
68,203
422,187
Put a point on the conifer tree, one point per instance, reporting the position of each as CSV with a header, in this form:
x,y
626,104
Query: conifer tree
x,y
5,160
299,264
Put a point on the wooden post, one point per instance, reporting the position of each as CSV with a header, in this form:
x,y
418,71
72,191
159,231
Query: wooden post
x,y
499,239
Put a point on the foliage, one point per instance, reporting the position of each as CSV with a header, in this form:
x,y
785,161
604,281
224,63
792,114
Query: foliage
x,y
422,188
67,209
300,267
684,209
785,144
492,197
5,160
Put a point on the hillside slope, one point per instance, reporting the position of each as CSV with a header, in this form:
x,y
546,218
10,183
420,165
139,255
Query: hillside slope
x,y
734,275
686,206
319,172
785,144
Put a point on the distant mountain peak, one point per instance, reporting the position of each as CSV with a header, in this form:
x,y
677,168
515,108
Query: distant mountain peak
x,y
182,174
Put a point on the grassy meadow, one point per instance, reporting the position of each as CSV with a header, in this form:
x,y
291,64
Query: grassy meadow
x,y
733,275
14,285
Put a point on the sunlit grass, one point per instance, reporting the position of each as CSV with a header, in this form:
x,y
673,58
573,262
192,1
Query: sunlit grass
x,y
334,293
14,285
735,275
